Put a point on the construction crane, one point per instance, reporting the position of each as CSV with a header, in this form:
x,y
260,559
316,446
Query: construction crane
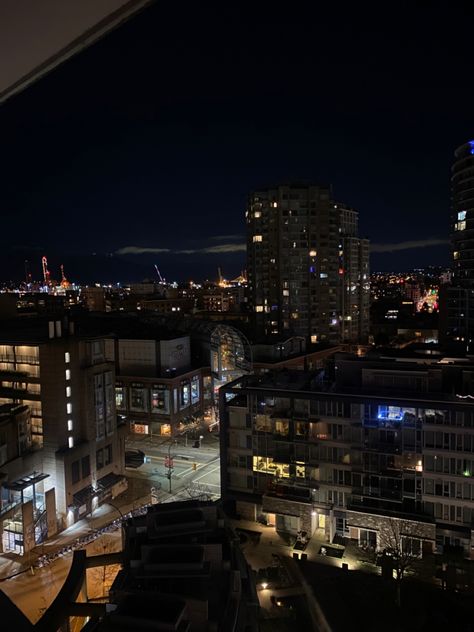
x,y
64,282
46,274
158,273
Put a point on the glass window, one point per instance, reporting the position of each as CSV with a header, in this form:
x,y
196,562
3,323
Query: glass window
x,y
195,390
138,398
160,399
99,458
75,472
108,454
185,395
121,397
86,466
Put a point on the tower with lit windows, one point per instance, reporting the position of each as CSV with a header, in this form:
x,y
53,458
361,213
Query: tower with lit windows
x,y
308,270
460,296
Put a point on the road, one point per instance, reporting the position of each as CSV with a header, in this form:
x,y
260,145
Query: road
x,y
194,469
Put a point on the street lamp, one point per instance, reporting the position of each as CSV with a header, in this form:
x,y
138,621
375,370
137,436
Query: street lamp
x,y
169,463
122,522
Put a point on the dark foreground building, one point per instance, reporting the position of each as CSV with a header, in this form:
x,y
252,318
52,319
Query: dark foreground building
x,y
182,570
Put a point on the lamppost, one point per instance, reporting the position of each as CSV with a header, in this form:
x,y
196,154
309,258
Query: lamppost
x,y
169,464
122,522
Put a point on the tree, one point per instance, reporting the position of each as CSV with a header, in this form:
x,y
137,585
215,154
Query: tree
x,y
398,540
198,491
100,578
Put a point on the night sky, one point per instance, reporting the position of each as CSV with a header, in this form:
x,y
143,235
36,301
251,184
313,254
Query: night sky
x,y
153,137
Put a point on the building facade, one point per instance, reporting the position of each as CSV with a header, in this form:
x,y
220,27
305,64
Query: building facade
x,y
307,268
67,382
384,442
460,295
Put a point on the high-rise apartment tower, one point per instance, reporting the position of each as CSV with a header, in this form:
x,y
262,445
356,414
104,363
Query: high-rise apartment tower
x,y
308,269
460,296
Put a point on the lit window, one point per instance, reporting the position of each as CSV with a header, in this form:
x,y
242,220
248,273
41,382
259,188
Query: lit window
x,y
68,374
257,238
462,215
312,253
456,254
257,214
70,442
286,292
460,226
69,408
68,391
275,204
314,338
323,275
67,357
259,308
69,425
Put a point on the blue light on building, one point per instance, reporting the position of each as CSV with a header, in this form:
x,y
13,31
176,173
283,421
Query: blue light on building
x,y
471,145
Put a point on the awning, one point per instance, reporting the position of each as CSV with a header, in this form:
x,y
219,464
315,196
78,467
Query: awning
x,y
26,481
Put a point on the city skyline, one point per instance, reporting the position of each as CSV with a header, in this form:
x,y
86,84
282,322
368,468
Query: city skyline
x,y
153,138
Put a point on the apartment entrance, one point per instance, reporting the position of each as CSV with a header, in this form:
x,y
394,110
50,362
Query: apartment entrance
x,y
287,524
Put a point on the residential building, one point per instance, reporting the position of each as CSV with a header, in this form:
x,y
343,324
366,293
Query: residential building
x,y
379,439
66,379
460,296
308,270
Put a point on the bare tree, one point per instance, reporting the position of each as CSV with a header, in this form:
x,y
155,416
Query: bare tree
x,y
396,540
198,491
100,578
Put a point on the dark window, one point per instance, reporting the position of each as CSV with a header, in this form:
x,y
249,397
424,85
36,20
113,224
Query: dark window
x,y
108,454
99,456
75,472
86,466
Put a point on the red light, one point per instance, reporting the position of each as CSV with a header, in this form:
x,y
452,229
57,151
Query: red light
x,y
341,270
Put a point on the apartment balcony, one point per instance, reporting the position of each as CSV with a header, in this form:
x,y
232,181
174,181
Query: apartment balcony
x,y
277,489
13,392
382,447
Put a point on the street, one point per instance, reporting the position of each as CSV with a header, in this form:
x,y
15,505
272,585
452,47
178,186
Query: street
x,y
193,469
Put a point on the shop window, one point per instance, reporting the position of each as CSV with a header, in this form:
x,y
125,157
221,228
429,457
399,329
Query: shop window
x,y
160,399
185,395
120,397
195,390
138,398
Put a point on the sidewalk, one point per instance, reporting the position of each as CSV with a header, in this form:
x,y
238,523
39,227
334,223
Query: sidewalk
x,y
11,564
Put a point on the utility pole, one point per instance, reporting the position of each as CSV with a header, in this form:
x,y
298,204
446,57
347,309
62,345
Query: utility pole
x,y
169,464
